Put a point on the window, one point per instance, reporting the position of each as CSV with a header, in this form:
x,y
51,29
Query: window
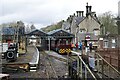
x,y
82,31
66,42
106,44
113,43
96,31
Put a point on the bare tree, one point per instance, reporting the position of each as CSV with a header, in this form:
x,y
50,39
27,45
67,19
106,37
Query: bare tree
x,y
109,24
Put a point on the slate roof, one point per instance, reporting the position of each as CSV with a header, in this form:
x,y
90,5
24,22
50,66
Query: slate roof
x,y
66,25
54,32
79,19
95,18
8,31
37,32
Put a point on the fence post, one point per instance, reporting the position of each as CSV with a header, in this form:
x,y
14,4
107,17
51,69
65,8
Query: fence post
x,y
81,69
102,68
118,59
85,73
78,67
118,55
69,65
97,63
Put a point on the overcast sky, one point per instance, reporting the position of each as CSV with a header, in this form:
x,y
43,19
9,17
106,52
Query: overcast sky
x,y
46,12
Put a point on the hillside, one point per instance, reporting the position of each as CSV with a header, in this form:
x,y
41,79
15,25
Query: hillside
x,y
53,27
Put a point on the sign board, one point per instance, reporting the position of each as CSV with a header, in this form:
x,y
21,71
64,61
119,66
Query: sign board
x,y
101,39
87,37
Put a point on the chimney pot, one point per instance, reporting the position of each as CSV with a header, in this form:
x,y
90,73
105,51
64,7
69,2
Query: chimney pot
x,y
77,13
90,7
74,14
82,12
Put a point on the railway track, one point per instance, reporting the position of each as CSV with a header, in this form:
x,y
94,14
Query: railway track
x,y
55,67
50,72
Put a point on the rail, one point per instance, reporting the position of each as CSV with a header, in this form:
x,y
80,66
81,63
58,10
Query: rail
x,y
82,69
54,72
51,73
105,68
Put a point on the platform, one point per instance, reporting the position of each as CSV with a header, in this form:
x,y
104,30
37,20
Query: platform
x,y
31,57
25,58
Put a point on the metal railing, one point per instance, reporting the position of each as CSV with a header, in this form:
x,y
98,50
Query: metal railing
x,y
106,69
80,69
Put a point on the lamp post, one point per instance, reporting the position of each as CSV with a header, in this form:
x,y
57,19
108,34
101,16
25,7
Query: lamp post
x,y
17,31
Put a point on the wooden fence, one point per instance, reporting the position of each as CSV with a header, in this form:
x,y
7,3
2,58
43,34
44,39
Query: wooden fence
x,y
112,55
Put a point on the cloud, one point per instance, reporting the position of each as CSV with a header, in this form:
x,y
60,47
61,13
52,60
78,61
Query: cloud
x,y
46,12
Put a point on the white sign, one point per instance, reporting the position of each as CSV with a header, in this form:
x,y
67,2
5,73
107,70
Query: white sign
x,y
87,37
101,39
5,47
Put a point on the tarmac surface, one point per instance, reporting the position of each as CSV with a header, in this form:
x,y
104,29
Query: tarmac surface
x,y
49,67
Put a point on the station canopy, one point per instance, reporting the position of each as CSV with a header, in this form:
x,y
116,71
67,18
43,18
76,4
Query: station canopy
x,y
59,33
37,32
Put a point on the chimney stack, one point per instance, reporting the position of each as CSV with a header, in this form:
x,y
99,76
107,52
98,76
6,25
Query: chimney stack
x,y
82,13
87,9
90,8
68,19
77,13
